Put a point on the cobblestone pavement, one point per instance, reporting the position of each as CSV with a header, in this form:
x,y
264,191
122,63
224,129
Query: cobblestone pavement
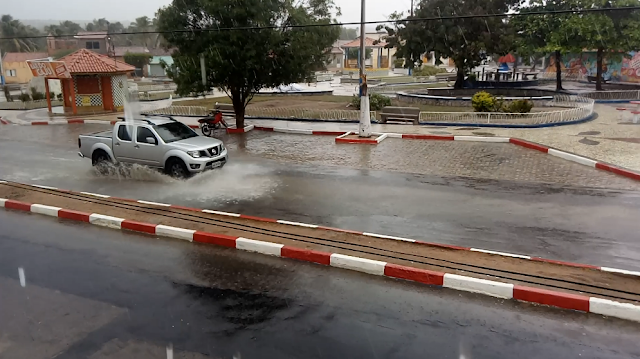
x,y
500,161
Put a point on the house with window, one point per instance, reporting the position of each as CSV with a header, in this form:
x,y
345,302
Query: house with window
x,y
155,68
96,41
119,53
15,68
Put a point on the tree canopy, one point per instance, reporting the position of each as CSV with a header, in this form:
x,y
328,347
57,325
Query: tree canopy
x,y
462,40
241,62
10,27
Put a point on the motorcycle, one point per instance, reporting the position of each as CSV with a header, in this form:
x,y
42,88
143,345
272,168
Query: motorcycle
x,y
212,122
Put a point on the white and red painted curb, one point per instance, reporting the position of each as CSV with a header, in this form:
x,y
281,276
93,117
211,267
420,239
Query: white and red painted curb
x,y
368,234
379,137
245,129
380,268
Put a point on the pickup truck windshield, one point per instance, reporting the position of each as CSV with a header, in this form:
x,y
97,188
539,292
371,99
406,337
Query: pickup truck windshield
x,y
174,131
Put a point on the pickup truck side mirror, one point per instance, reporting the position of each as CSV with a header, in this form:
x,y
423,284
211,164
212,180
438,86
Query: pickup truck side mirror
x,y
151,140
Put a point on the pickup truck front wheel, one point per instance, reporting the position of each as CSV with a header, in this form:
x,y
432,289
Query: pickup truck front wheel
x,y
177,169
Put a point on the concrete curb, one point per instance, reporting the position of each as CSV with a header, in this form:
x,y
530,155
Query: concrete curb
x,y
379,268
383,236
370,141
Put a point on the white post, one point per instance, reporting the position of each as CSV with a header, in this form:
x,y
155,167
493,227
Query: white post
x,y
365,116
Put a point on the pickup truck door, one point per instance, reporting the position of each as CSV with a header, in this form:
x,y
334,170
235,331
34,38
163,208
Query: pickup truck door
x,y
123,146
146,153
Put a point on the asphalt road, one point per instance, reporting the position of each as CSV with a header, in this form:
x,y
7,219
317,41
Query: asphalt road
x,y
586,225
98,293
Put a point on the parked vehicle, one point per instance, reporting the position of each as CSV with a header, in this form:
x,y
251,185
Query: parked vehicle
x,y
158,142
214,121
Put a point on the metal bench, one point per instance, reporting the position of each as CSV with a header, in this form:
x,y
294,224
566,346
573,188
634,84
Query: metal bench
x,y
392,113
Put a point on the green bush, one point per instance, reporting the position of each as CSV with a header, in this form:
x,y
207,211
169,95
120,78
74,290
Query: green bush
x,y
59,97
25,97
428,70
398,63
376,102
483,102
519,106
36,95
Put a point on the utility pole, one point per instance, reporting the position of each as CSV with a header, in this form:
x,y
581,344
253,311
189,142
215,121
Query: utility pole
x,y
365,115
411,8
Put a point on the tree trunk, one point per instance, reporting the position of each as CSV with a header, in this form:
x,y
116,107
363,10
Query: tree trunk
x,y
558,71
599,69
238,107
459,76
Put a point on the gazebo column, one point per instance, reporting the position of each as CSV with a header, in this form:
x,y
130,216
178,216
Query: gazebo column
x,y
72,95
46,90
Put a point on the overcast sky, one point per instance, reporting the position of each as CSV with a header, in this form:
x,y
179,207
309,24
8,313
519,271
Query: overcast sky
x,y
122,10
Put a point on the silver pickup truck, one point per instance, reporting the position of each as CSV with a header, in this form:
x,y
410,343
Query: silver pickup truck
x,y
159,142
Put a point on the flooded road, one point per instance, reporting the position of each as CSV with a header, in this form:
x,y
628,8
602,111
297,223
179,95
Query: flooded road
x,y
595,226
69,290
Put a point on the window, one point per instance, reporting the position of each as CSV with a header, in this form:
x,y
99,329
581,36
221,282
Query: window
x,y
11,73
143,133
123,133
174,131
93,45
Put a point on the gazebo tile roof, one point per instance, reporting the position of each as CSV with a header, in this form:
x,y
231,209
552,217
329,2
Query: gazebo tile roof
x,y
84,61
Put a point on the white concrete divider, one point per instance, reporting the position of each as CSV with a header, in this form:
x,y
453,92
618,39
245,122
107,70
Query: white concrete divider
x,y
297,224
358,264
104,221
394,135
382,137
299,131
481,139
221,213
500,253
95,194
154,203
389,237
175,232
571,157
46,210
476,285
2,201
268,248
621,271
614,309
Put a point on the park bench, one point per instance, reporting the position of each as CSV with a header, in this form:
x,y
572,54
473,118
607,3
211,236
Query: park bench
x,y
392,113
447,76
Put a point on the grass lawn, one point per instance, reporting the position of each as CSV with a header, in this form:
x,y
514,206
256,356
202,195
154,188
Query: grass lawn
x,y
311,102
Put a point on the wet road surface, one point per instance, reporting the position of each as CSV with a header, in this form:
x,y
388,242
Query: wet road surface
x,y
593,226
98,293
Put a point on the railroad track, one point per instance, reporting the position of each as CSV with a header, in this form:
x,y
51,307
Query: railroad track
x,y
439,263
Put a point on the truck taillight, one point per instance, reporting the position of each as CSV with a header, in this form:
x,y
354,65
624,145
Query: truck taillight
x,y
79,143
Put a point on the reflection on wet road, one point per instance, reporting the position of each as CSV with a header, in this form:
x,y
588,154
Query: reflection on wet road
x,y
567,223
98,293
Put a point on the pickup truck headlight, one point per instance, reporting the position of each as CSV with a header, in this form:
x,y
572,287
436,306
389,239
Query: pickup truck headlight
x,y
194,154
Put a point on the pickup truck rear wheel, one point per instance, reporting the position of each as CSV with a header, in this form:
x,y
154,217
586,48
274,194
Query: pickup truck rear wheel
x,y
100,160
176,168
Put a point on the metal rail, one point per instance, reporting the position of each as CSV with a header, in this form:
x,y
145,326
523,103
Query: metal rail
x,y
426,260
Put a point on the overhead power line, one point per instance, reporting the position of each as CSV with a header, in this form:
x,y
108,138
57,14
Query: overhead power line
x,y
435,18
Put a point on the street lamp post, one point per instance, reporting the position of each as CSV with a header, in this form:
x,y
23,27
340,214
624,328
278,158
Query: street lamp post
x,y
365,117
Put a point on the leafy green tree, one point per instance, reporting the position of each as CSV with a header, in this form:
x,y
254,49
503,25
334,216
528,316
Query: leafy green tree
x,y
462,40
546,33
10,27
141,24
98,25
349,33
63,28
611,33
240,62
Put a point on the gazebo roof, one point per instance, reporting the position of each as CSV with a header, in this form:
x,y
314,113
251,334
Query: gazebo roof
x,y
84,61
368,42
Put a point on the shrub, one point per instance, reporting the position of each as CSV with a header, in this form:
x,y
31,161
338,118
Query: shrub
x,y
376,102
7,94
483,102
25,97
36,95
59,97
519,106
428,70
398,63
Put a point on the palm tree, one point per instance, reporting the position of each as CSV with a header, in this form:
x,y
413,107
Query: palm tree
x,y
10,27
143,24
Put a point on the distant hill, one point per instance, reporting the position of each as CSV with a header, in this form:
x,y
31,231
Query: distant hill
x,y
40,24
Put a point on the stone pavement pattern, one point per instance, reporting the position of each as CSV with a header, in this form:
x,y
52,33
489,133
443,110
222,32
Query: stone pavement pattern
x,y
443,158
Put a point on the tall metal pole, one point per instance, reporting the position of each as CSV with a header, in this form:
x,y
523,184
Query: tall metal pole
x,y
411,8
365,116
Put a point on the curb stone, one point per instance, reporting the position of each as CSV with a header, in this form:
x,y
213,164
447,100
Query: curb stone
x,y
446,280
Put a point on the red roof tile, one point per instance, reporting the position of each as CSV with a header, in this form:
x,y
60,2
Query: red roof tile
x,y
23,56
84,61
368,42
